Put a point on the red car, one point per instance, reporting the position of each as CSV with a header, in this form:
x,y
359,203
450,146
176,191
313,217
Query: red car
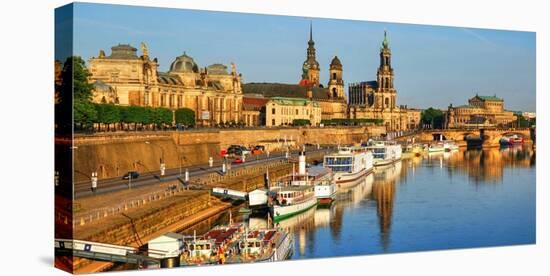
x,y
237,161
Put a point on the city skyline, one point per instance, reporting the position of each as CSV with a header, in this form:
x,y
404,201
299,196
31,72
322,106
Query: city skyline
x,y
454,63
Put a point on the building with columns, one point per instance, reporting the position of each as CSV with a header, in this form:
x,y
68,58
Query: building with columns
x,y
378,99
124,78
481,111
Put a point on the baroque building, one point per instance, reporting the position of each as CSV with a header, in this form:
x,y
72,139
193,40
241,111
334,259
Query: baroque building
x,y
331,99
124,78
487,111
310,68
378,99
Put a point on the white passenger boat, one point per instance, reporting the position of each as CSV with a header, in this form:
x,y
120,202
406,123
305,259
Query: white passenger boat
x,y
292,200
297,194
384,152
450,146
437,147
349,165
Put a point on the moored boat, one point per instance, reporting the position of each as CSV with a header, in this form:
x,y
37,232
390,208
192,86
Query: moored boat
x,y
292,200
511,140
236,243
349,165
437,147
384,152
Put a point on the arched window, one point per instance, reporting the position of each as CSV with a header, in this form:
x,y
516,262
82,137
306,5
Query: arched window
x,y
387,102
334,92
334,76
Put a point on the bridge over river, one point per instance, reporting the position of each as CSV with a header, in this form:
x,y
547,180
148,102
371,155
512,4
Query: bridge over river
x,y
485,137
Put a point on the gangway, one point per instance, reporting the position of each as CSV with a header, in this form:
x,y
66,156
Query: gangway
x,y
105,252
228,193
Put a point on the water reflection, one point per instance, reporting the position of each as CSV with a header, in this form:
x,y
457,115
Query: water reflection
x,y
423,203
384,195
484,166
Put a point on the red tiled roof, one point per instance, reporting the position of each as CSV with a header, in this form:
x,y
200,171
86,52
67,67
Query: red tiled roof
x,y
254,103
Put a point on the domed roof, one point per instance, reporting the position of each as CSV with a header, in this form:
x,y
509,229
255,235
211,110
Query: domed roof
x,y
184,64
335,63
217,69
123,51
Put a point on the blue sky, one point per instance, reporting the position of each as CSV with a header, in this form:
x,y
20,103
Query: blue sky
x,y
434,65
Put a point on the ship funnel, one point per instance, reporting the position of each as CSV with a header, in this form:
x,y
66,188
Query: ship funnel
x,y
302,163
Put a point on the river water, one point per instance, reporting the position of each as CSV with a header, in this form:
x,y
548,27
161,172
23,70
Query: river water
x,y
464,199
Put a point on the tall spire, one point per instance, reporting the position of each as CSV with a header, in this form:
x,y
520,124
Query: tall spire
x,y
385,42
310,31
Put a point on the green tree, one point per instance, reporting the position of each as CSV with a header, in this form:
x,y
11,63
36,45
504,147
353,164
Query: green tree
x,y
433,117
162,116
75,79
84,114
185,116
133,115
107,114
301,122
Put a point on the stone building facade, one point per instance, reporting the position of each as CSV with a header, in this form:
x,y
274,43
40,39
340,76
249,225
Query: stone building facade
x,y
486,111
124,78
378,99
254,110
282,111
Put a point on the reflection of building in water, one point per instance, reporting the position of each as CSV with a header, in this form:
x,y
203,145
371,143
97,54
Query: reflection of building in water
x,y
383,191
487,165
323,216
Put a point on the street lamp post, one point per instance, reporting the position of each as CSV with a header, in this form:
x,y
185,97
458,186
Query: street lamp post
x,y
162,165
94,182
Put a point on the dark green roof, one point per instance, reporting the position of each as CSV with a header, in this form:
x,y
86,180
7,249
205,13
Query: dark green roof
x,y
293,101
490,98
466,106
269,90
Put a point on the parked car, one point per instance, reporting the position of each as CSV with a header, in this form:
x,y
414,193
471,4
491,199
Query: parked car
x,y
238,150
131,174
237,161
259,149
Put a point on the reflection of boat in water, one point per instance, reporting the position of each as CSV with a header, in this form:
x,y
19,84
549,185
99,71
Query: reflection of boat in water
x,y
384,152
322,216
349,165
356,194
441,154
290,224
388,173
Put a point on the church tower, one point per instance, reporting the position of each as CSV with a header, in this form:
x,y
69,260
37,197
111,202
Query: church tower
x,y
385,93
336,82
310,68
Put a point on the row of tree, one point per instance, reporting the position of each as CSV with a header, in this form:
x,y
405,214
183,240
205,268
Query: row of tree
x,y
351,122
158,117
